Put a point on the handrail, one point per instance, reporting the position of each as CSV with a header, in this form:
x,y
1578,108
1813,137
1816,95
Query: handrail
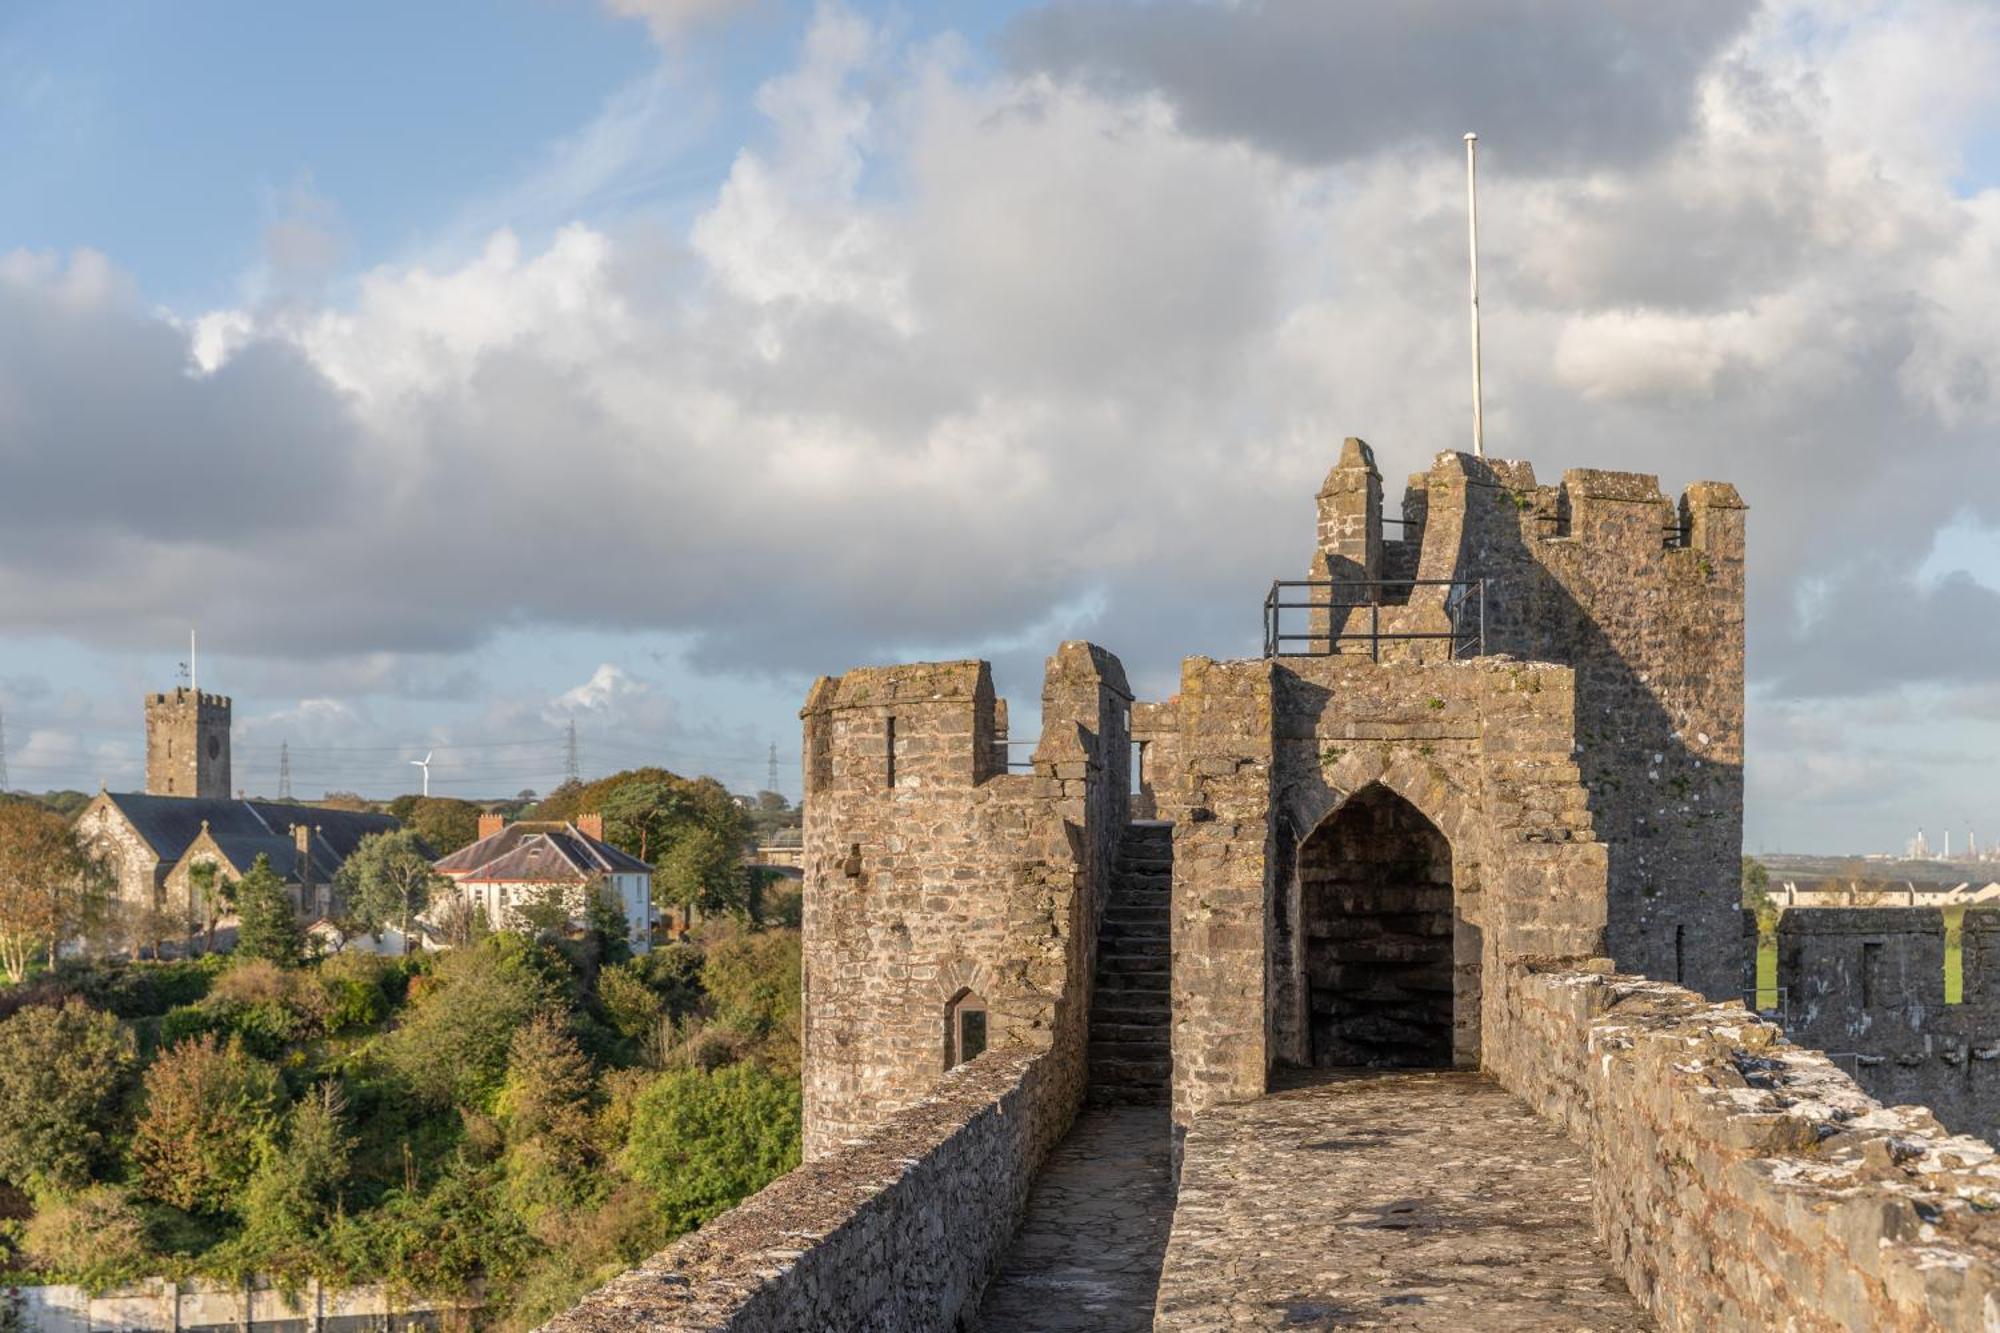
x,y
1276,638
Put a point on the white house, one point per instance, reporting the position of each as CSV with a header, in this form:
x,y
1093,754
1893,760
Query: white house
x,y
518,865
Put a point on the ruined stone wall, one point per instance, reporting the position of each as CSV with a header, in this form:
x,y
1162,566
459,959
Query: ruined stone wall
x,y
1742,1182
1269,749
1645,600
897,1232
932,876
1866,985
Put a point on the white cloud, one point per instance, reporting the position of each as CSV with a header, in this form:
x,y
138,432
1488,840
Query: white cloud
x,y
949,350
667,20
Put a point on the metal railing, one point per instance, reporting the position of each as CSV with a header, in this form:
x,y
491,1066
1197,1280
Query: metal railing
x,y
1465,600
1008,749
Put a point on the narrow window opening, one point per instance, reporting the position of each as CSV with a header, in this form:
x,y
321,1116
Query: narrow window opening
x,y
964,1029
1680,955
889,752
1138,767
1871,975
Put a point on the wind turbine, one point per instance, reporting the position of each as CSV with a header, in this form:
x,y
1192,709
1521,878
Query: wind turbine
x,y
425,764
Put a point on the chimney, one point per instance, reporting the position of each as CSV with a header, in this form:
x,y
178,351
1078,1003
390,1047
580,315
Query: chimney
x,y
490,823
591,826
302,840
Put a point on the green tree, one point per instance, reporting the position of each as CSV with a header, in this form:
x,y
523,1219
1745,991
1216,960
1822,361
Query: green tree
x,y
265,924
1756,885
633,1007
754,989
706,1141
445,823
452,1046
705,870
545,1109
296,1190
211,1113
63,1074
388,881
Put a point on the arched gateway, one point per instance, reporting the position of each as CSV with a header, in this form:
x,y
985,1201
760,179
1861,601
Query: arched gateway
x,y
1378,924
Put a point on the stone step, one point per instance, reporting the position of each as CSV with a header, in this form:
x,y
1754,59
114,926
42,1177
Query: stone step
x,y
1151,981
1148,867
1141,1073
1127,915
1155,1029
1125,963
1129,1052
1127,1009
1123,1094
1143,884
1151,927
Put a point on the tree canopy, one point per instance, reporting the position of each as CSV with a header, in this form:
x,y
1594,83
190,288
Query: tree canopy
x,y
386,882
265,925
50,888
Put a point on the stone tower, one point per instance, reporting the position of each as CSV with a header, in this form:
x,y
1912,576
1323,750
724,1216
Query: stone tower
x,y
187,744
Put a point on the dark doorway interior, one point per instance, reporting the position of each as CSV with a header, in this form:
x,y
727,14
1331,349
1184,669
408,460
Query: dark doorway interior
x,y
1375,901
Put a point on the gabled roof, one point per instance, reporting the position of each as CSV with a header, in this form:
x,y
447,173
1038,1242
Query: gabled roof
x,y
539,852
242,830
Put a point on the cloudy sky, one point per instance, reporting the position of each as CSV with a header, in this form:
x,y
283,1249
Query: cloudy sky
x,y
468,369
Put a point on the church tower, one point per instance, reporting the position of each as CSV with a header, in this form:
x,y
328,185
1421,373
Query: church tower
x,y
187,744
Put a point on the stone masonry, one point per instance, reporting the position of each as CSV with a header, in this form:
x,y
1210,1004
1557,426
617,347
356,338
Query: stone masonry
x,y
1486,820
187,744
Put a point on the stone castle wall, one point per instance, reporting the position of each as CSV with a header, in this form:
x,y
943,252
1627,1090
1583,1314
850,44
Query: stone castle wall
x,y
932,876
1267,750
1742,1182
895,1232
1867,986
1644,598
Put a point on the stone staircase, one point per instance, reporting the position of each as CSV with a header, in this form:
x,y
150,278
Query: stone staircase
x,y
1130,1011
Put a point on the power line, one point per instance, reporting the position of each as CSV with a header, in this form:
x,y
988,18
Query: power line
x,y
771,778
284,771
572,770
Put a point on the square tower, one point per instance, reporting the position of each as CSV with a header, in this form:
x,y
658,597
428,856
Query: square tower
x,y
187,744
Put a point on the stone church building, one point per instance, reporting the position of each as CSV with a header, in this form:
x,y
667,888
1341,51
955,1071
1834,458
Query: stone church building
x,y
187,817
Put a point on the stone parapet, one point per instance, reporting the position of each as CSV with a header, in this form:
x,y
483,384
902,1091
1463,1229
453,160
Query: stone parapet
x,y
1741,1182
894,1232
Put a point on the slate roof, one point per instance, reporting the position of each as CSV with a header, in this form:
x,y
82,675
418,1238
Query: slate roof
x,y
532,851
243,830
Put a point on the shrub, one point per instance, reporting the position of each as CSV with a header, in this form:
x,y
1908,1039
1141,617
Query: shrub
x,y
63,1073
210,1114
452,1047
753,985
705,1141
633,1007
95,1239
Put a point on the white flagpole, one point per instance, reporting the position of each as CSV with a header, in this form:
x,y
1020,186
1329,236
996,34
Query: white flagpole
x,y
1472,245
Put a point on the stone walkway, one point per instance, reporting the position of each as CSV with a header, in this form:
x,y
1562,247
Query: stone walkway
x,y
1429,1201
1087,1259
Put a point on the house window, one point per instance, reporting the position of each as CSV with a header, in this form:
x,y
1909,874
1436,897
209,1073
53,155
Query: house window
x,y
965,1029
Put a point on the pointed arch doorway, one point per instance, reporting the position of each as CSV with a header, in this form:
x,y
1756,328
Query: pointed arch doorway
x,y
1391,967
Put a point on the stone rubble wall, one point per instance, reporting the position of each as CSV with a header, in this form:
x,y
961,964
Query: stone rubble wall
x,y
896,1232
1644,598
937,875
1266,750
1892,1028
1741,1182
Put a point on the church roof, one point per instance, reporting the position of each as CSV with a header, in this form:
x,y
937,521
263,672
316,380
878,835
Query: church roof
x,y
243,830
